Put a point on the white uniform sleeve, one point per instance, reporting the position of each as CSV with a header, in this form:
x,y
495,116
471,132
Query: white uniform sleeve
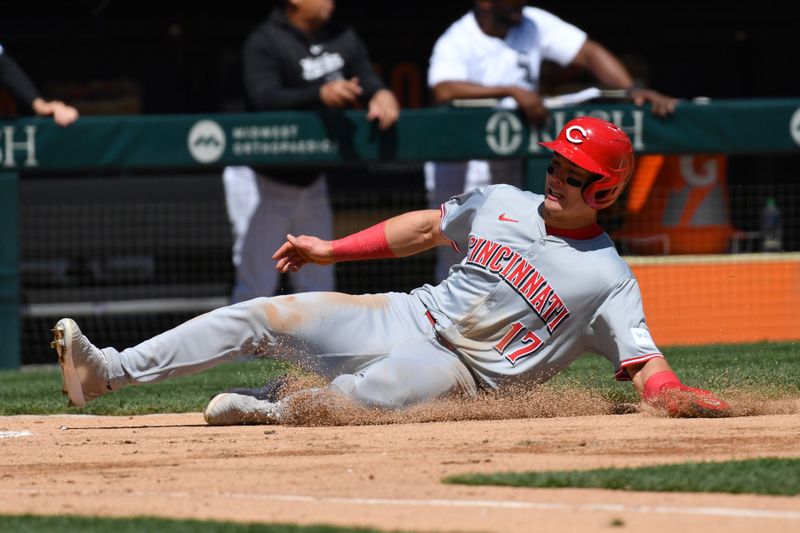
x,y
448,61
618,330
560,40
459,212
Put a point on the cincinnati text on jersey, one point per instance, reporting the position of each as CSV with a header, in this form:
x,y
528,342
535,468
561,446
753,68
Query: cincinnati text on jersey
x,y
521,276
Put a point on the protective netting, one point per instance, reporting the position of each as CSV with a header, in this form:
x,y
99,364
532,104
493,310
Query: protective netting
x,y
132,255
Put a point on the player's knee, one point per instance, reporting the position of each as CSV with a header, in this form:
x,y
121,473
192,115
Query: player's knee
x,y
374,389
279,314
392,383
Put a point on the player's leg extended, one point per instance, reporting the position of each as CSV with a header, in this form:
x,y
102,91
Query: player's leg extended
x,y
415,368
329,333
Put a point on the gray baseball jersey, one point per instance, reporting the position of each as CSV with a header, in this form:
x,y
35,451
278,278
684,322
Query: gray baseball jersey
x,y
524,304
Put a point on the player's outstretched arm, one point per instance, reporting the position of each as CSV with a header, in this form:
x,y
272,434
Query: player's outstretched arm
x,y
658,385
400,236
415,232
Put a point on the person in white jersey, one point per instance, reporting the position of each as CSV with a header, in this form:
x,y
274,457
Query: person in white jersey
x,y
541,284
495,51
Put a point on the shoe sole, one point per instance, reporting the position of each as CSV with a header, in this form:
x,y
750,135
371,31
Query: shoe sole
x,y
208,408
71,382
234,417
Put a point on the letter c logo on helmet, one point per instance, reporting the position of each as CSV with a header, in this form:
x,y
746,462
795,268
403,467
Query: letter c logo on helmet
x,y
601,148
571,138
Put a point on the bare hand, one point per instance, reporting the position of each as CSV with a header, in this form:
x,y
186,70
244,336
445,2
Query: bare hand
x,y
662,105
298,251
63,114
384,108
531,104
340,93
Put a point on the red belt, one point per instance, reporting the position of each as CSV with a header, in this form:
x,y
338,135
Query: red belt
x,y
444,342
430,317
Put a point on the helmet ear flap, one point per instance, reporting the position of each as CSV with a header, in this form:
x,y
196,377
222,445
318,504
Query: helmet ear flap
x,y
589,191
593,178
604,191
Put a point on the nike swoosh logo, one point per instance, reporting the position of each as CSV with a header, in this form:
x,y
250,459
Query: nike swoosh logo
x,y
504,218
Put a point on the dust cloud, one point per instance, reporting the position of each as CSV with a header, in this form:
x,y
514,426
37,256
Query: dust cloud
x,y
309,403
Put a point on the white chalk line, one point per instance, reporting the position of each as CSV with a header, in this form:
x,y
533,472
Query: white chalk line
x,y
14,434
728,512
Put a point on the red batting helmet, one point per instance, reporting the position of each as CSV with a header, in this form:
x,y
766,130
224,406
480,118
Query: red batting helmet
x,y
601,148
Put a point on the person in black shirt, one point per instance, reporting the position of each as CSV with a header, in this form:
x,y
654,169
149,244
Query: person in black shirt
x,y
300,58
15,80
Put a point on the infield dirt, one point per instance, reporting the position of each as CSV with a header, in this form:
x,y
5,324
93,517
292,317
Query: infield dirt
x,y
388,476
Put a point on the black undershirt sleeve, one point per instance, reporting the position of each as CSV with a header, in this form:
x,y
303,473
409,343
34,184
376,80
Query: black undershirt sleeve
x,y
15,80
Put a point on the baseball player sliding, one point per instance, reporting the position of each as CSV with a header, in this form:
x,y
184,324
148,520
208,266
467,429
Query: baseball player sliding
x,y
540,285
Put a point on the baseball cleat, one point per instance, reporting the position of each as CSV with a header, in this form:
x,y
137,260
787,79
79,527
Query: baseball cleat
x,y
231,409
271,391
84,368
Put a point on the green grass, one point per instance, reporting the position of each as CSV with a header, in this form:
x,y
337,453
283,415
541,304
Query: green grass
x,y
769,369
753,476
38,391
58,524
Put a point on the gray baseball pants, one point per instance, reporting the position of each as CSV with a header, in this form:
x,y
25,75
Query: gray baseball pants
x,y
379,349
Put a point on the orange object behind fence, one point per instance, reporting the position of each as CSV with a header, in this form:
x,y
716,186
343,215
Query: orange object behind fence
x,y
723,299
677,204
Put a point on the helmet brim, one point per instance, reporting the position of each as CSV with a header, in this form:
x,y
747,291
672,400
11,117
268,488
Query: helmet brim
x,y
579,157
